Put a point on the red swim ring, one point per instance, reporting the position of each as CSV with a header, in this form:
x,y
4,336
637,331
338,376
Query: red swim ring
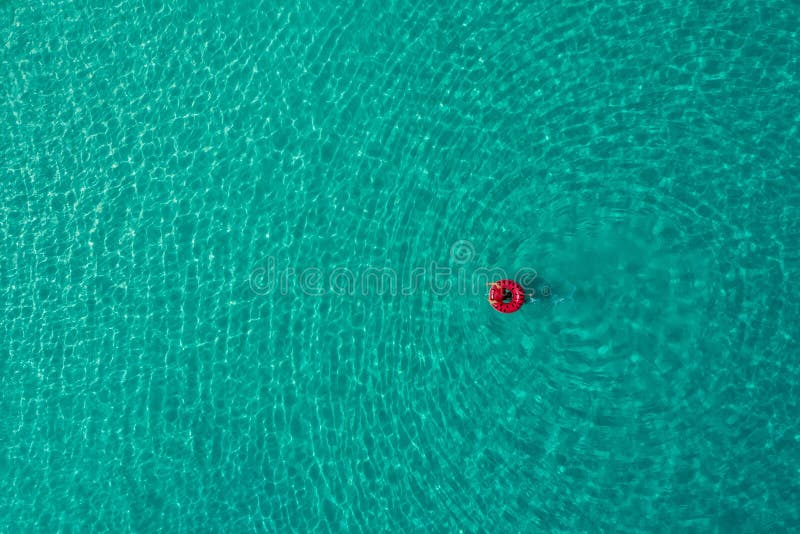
x,y
506,296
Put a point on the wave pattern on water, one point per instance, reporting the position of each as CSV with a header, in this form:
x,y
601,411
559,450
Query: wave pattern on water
x,y
641,157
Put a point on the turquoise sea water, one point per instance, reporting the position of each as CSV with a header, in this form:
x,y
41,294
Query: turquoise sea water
x,y
164,166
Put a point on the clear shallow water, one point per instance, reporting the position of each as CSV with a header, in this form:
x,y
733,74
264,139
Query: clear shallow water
x,y
157,161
